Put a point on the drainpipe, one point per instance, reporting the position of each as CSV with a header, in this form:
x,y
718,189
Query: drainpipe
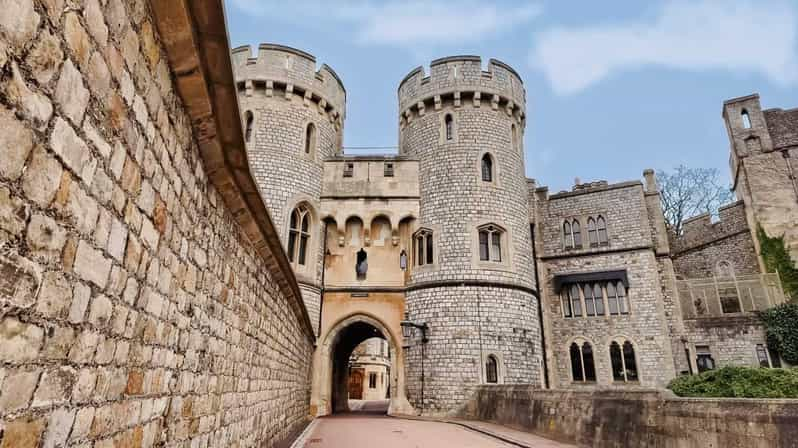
x,y
540,311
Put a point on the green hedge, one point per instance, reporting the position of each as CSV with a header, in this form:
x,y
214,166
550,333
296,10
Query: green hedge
x,y
781,325
738,382
777,259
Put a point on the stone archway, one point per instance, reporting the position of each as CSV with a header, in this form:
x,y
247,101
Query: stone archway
x,y
331,376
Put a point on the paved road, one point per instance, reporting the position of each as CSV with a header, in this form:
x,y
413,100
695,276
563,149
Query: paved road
x,y
370,428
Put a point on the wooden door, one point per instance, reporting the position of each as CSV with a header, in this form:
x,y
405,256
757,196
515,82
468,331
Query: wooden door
x,y
356,384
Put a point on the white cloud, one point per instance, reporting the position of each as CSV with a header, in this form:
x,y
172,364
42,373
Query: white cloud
x,y
397,22
732,35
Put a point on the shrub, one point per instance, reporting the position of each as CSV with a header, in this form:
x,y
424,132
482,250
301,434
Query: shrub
x,y
738,382
777,259
781,325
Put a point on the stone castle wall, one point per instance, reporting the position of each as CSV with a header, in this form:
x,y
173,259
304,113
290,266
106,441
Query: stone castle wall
x,y
454,203
150,319
285,94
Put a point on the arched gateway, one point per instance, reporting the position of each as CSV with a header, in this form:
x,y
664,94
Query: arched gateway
x,y
331,363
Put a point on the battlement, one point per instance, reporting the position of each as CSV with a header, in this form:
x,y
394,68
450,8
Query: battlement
x,y
461,81
700,230
293,71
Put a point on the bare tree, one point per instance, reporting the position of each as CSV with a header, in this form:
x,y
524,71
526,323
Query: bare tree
x,y
687,192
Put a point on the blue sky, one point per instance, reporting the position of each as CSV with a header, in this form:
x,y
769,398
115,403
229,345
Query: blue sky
x,y
613,87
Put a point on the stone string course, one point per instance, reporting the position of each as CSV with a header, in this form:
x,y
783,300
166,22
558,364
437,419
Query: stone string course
x,y
152,321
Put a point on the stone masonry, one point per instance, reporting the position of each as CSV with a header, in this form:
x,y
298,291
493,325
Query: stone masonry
x,y
145,315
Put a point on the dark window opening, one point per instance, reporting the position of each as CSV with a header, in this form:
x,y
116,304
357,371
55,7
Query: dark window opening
x,y
577,232
310,138
487,168
372,380
361,265
592,233
568,235
490,244
449,124
601,225
349,169
491,370
703,358
249,119
746,119
425,252
583,367
298,235
388,169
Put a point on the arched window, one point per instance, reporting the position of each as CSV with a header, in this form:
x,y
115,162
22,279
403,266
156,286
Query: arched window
x,y
624,365
583,367
601,225
577,234
361,264
299,235
248,119
310,138
491,370
592,234
448,122
490,243
746,119
487,168
424,247
568,235
590,300
576,302
599,298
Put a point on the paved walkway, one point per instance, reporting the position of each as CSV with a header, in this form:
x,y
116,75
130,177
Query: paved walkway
x,y
370,427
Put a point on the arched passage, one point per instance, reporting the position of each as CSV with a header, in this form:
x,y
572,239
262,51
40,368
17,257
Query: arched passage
x,y
331,381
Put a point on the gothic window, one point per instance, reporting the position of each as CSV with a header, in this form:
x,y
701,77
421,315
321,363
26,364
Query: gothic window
x,y
491,370
703,358
299,235
592,235
310,138
424,247
577,234
568,235
248,119
616,298
576,302
762,355
361,264
590,300
583,368
487,168
490,243
599,298
624,364
746,119
448,122
601,225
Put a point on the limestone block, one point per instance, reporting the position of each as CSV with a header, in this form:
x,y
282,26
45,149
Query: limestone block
x,y
100,311
117,240
41,178
16,141
76,38
85,346
84,385
131,177
20,386
13,213
96,139
45,237
58,426
102,187
19,342
149,235
82,424
70,94
92,12
81,294
146,199
32,105
55,387
58,342
18,22
23,432
54,10
103,228
55,295
91,265
73,151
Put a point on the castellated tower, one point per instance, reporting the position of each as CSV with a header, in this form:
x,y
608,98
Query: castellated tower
x,y
293,119
473,278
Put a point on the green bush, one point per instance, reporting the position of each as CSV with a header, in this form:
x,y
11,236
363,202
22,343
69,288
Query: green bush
x,y
738,382
777,259
781,325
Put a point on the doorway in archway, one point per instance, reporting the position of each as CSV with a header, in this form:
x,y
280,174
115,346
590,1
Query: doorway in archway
x,y
361,369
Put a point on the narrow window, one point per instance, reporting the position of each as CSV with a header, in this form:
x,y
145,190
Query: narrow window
x,y
487,168
372,380
361,265
388,169
491,370
496,247
598,296
565,300
577,234
623,305
484,249
590,304
514,136
568,236
629,361
420,249
601,224
298,235
449,125
703,358
310,137
490,244
612,298
746,119
248,118
428,251
576,363
424,247
617,362
575,301
349,169
592,234
762,356
587,361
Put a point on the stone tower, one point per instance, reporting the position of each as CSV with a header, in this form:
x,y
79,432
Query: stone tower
x,y
764,164
473,279
293,119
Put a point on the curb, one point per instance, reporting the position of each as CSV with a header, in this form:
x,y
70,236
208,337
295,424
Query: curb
x,y
467,425
303,437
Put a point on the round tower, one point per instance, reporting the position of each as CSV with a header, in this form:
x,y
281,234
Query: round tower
x,y
293,119
474,282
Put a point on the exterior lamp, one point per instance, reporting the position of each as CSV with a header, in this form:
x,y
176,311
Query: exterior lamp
x,y
408,328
